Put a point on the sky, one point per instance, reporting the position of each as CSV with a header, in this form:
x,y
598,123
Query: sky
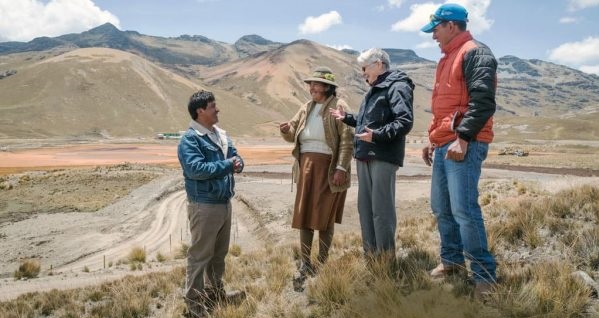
x,y
560,31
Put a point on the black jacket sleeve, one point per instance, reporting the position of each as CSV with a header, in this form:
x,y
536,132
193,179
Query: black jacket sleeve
x,y
401,98
350,120
480,74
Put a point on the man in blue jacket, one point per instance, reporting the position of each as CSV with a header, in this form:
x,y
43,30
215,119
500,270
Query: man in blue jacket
x,y
209,160
383,121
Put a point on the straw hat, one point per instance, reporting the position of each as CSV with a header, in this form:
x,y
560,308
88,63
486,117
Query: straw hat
x,y
322,74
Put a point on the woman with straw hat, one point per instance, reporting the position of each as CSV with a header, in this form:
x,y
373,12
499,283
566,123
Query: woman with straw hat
x,y
323,150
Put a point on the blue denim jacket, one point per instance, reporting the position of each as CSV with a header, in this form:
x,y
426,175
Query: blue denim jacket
x,y
208,174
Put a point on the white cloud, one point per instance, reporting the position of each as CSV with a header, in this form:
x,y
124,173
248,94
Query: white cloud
x,y
320,23
568,20
577,53
395,3
379,8
24,20
582,4
583,54
427,45
340,47
591,69
420,15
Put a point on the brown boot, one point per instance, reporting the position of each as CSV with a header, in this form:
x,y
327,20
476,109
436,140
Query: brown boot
x,y
235,297
483,290
444,270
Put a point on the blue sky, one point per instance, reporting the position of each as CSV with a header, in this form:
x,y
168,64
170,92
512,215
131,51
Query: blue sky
x,y
561,31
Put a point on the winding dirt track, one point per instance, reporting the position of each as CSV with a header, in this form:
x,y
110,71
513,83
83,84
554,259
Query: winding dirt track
x,y
170,216
165,220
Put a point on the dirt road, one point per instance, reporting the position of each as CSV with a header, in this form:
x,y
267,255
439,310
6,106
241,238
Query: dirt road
x,y
154,216
99,242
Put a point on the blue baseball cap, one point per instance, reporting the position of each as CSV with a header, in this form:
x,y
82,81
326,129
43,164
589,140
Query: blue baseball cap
x,y
446,12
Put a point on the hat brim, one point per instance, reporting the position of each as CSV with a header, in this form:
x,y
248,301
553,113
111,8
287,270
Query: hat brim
x,y
430,26
318,79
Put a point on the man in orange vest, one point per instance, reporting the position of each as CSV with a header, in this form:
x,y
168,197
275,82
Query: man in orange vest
x,y
463,104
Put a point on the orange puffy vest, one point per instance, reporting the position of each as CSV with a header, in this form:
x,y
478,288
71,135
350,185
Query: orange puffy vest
x,y
450,94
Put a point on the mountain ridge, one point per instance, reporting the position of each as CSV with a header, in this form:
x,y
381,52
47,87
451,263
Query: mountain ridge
x,y
261,80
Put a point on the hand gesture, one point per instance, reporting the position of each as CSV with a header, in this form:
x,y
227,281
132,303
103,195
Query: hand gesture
x,y
457,150
427,154
365,136
338,113
339,177
284,127
237,164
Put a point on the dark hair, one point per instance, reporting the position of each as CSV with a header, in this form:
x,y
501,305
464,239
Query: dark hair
x,y
460,24
331,90
199,99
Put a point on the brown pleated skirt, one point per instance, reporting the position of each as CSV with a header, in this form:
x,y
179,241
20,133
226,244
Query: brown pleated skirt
x,y
316,207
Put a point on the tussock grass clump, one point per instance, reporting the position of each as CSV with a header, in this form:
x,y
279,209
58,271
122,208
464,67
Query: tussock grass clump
x,y
160,257
543,289
181,252
335,284
137,254
279,270
581,201
586,249
533,220
127,297
29,268
235,250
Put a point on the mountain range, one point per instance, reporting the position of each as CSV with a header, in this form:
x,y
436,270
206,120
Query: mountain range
x,y
110,83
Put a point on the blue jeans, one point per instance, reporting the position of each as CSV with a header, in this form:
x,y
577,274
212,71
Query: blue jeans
x,y
454,201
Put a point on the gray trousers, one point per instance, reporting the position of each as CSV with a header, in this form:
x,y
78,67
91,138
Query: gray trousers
x,y
376,205
210,227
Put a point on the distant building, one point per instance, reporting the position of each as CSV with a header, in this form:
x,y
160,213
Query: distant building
x,y
170,135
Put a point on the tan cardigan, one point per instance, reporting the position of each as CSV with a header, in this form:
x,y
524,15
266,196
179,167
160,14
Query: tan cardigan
x,y
339,138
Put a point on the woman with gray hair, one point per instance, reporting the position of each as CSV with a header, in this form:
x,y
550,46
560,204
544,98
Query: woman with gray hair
x,y
384,119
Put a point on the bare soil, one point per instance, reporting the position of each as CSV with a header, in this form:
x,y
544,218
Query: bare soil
x,y
91,217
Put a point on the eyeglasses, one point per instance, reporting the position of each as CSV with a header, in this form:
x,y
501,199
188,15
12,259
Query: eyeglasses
x,y
365,66
435,18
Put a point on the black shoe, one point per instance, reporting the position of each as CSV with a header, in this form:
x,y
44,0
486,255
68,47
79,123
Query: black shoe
x,y
195,309
306,269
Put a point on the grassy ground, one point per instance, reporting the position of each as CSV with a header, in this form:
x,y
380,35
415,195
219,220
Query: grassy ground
x,y
537,238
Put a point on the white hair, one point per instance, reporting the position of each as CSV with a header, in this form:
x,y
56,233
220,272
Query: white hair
x,y
372,55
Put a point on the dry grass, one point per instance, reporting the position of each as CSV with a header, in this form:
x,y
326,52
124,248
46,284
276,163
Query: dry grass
x,y
28,268
137,255
546,289
539,284
235,250
181,252
160,257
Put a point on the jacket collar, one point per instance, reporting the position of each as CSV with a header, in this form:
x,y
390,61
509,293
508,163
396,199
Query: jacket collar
x,y
457,42
381,78
327,103
220,133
